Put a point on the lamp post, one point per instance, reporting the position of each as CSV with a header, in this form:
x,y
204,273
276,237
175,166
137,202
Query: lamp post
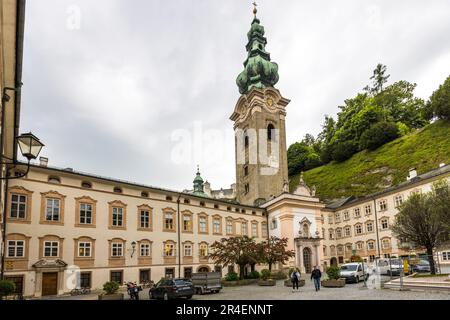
x,y
133,246
30,147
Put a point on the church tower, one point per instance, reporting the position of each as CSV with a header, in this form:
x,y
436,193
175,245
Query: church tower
x,y
259,124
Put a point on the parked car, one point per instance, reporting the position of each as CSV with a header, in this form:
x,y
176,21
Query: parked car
x,y
171,289
353,272
421,266
205,282
390,267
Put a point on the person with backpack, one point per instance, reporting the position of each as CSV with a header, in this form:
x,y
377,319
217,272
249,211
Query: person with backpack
x,y
316,275
295,278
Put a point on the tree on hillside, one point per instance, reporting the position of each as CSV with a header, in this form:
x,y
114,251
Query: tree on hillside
x,y
378,134
420,221
439,103
303,155
378,79
401,106
274,251
235,250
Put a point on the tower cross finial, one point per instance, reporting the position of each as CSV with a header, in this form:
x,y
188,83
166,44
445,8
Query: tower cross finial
x,y
254,8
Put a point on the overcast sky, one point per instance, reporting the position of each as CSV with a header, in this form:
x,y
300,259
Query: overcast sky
x,y
110,86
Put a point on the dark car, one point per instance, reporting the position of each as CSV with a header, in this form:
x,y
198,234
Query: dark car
x,y
171,289
421,266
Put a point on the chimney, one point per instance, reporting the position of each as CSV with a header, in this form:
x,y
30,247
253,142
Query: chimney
x,y
43,161
441,165
412,174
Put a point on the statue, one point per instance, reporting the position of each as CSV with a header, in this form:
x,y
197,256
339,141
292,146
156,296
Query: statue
x,y
285,186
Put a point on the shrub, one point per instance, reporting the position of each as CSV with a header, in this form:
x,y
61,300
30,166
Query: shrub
x,y
344,150
111,287
253,275
265,274
333,272
7,287
231,276
378,134
279,275
356,258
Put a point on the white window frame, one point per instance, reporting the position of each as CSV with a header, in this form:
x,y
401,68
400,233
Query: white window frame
x,y
86,246
187,250
144,219
145,250
20,206
51,245
85,213
52,209
14,244
117,247
202,224
216,226
117,217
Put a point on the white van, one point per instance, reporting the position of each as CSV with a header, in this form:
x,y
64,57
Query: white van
x,y
354,271
392,267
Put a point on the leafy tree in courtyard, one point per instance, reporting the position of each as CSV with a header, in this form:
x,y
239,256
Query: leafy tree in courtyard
x,y
274,251
439,103
235,250
421,220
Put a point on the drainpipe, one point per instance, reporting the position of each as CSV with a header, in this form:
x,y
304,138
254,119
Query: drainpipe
x,y
376,226
179,235
4,230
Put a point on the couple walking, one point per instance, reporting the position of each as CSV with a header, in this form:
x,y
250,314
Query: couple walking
x,y
315,276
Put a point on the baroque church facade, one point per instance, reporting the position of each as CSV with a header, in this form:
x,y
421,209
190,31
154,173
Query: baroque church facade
x,y
66,228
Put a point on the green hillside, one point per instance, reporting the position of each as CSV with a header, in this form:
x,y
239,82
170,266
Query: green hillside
x,y
371,171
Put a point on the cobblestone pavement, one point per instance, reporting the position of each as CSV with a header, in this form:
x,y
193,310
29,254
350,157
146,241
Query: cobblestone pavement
x,y
349,292
280,292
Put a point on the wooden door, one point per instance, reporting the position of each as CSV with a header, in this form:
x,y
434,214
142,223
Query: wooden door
x,y
50,283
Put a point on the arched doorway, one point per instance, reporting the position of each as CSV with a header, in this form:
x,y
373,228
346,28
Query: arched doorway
x,y
333,261
203,269
307,260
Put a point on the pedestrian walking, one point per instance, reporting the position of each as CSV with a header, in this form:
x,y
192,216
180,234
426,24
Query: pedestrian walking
x,y
295,278
316,275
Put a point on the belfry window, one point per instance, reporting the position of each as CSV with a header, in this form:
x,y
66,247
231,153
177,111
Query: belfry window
x,y
270,129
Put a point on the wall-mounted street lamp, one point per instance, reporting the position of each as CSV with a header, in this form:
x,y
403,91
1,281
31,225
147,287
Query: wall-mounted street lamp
x,y
133,246
29,146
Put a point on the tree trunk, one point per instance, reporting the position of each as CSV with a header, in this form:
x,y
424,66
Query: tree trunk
x,y
431,260
241,271
270,266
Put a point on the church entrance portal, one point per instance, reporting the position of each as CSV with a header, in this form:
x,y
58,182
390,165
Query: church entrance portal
x,y
307,260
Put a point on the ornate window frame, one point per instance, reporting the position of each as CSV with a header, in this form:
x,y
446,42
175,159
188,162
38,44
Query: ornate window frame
x,y
187,213
145,207
117,204
85,200
19,190
174,219
199,216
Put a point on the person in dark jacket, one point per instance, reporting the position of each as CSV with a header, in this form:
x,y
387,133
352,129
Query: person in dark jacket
x,y
295,278
316,275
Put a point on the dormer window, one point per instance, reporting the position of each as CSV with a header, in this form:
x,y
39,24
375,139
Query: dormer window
x,y
54,179
86,184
